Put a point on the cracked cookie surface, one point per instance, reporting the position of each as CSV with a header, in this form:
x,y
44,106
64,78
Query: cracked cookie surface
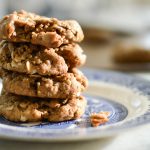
x,y
28,109
35,59
62,86
22,26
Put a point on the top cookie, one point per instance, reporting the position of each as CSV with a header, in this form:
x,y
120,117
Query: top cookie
x,y
28,27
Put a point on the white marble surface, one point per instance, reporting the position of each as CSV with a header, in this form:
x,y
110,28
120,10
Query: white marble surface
x,y
135,139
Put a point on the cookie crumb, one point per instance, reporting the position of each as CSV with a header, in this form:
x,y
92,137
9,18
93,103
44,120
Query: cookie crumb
x,y
99,118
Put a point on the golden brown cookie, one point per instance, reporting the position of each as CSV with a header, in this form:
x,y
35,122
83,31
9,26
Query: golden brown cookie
x,y
23,26
35,59
62,86
28,109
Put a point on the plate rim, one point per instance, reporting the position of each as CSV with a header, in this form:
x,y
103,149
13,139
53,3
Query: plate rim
x,y
81,137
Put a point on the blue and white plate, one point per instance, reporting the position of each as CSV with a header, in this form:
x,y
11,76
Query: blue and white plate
x,y
125,97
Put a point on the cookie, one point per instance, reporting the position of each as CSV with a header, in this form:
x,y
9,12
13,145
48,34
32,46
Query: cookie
x,y
73,55
28,27
28,109
132,50
62,86
36,59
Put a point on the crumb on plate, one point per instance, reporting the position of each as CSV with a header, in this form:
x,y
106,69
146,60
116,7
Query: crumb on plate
x,y
99,118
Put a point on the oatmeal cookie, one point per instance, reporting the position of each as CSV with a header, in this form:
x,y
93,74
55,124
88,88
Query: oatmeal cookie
x,y
73,55
36,59
62,86
28,109
23,26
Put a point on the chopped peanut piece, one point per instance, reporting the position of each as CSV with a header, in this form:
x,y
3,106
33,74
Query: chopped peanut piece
x,y
99,118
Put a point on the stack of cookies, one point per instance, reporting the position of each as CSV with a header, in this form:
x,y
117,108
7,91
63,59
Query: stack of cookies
x,y
39,57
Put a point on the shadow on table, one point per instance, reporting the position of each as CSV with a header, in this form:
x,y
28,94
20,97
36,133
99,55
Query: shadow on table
x,y
80,145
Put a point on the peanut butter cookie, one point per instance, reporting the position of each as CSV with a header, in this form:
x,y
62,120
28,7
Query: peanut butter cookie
x,y
62,86
28,27
28,109
35,59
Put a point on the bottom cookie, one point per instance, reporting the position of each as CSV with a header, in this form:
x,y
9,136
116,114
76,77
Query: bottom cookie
x,y
28,109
